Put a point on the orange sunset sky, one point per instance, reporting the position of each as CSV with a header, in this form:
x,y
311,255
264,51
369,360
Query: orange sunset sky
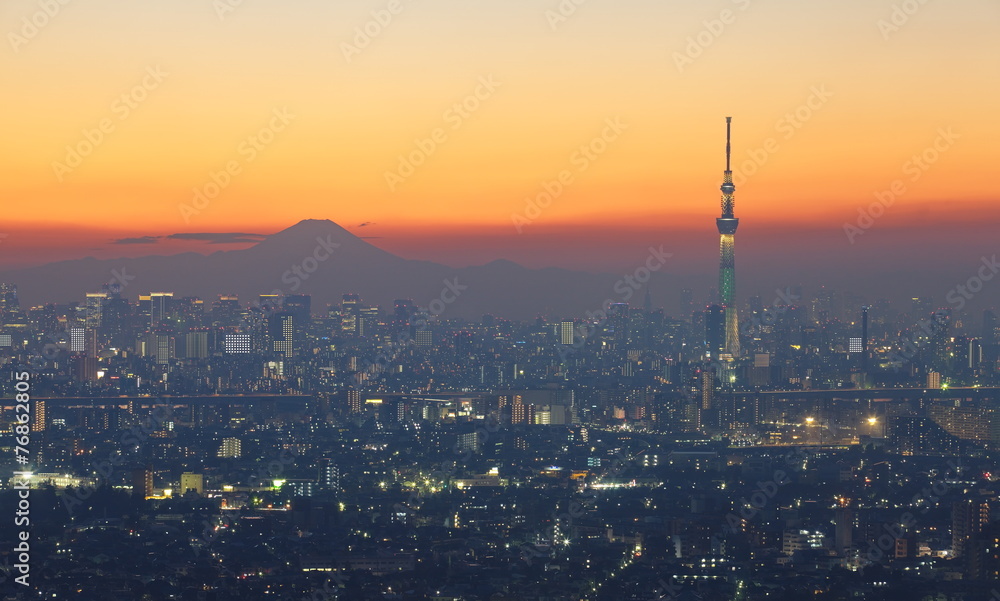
x,y
835,99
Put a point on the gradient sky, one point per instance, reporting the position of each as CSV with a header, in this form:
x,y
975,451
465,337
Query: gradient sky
x,y
891,92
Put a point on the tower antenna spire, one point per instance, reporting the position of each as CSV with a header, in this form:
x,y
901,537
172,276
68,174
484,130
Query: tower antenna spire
x,y
729,120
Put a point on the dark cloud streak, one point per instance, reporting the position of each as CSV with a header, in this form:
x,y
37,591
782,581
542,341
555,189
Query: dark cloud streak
x,y
221,238
137,240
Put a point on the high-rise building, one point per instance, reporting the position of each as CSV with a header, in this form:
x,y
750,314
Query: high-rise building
x,y
329,475
161,308
520,412
566,332
269,303
368,321
727,225
77,340
968,518
933,379
761,374
354,401
914,435
843,518
116,316
188,311
616,323
231,448
162,346
968,356
715,331
299,305
350,315
142,481
226,310
95,309
196,345
424,338
967,420
237,343
707,389
8,298
281,332
38,422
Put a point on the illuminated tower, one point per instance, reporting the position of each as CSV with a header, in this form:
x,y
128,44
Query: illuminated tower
x,y
727,260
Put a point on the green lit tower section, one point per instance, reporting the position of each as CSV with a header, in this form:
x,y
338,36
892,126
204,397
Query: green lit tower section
x,y
727,256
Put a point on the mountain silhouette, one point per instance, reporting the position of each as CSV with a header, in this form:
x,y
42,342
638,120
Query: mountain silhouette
x,y
320,258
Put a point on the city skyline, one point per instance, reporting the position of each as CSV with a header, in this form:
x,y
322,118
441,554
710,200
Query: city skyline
x,y
505,288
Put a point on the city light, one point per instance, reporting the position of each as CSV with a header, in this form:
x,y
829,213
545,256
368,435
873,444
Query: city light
x,y
287,327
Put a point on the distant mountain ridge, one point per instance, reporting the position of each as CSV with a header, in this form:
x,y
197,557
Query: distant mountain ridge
x,y
320,258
